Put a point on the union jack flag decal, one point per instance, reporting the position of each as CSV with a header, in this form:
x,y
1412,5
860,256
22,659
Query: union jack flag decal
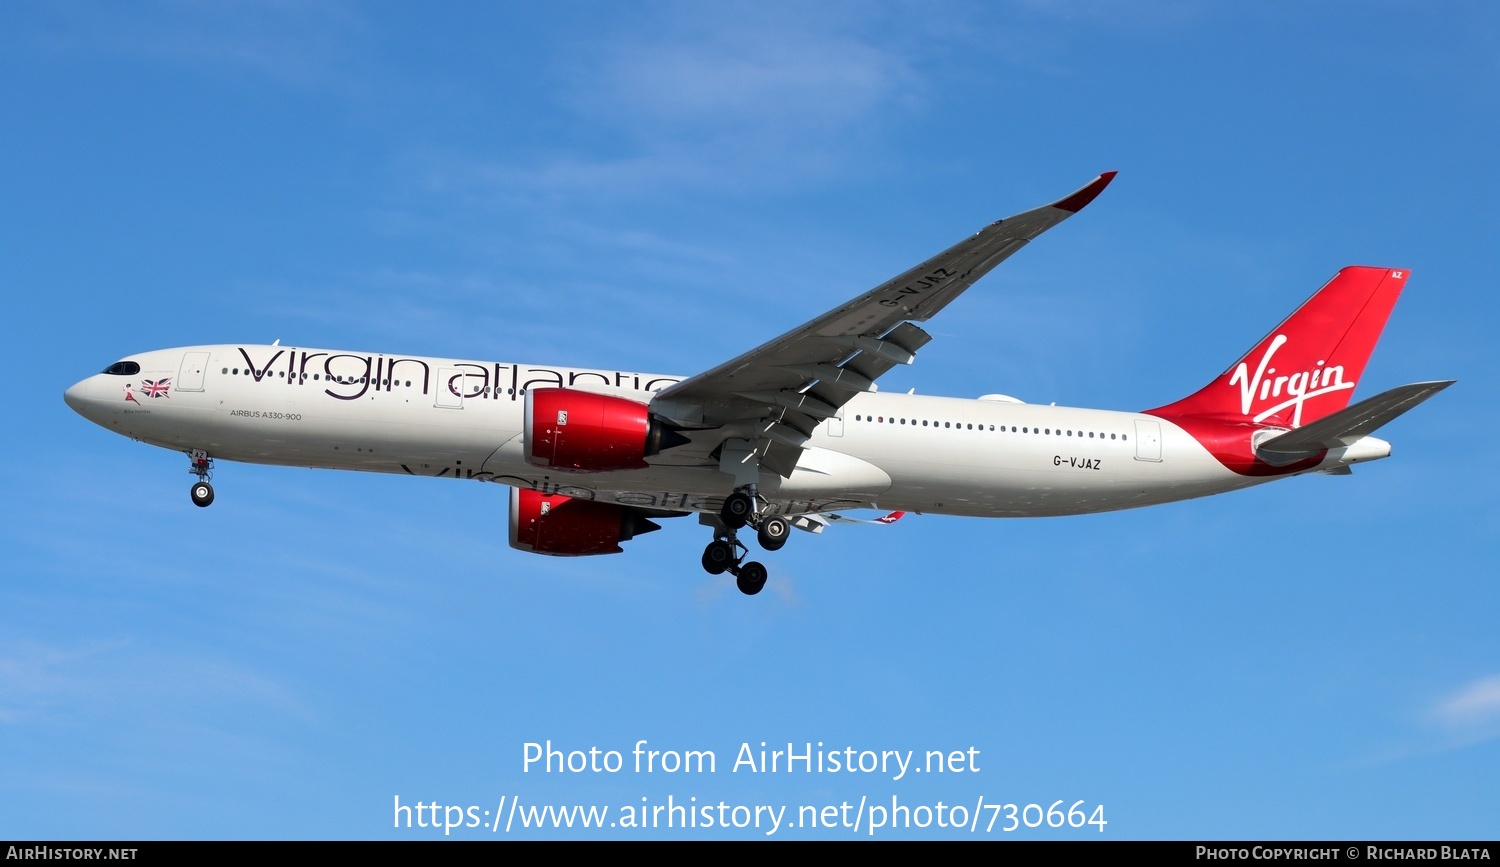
x,y
156,388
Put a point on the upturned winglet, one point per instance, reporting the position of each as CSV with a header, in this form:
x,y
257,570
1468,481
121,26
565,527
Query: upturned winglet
x,y
1077,201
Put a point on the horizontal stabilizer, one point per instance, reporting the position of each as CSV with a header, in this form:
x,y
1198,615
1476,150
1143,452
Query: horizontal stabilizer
x,y
814,522
1349,424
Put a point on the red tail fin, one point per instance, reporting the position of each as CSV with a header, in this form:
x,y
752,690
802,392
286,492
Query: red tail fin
x,y
1308,366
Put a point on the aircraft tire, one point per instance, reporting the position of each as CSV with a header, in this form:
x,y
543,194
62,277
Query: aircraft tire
x,y
773,532
718,557
203,494
737,510
751,579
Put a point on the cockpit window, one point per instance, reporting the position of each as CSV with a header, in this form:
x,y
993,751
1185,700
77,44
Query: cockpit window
x,y
123,368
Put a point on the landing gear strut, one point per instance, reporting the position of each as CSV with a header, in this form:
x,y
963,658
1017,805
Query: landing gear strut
x,y
202,466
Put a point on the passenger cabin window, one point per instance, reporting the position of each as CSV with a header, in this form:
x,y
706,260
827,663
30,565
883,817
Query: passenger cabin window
x,y
123,368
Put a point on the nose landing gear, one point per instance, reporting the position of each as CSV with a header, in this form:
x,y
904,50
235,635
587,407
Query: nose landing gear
x,y
202,466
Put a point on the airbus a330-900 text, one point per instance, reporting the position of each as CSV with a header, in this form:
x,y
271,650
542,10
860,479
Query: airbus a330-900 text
x,y
793,433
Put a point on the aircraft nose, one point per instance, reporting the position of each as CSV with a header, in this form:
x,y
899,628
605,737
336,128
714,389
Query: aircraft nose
x,y
77,396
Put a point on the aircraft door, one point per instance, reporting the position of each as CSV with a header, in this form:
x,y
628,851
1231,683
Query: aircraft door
x,y
835,424
450,388
190,376
1147,440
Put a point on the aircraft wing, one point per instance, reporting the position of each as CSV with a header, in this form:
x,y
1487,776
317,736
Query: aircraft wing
x,y
778,392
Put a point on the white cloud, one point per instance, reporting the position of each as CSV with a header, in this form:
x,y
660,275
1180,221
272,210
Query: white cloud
x,y
769,81
1477,704
1460,719
51,683
718,97
304,45
1141,17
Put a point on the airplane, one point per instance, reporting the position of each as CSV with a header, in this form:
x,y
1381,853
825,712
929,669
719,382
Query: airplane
x,y
793,433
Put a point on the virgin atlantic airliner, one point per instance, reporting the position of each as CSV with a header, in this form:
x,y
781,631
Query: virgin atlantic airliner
x,y
793,433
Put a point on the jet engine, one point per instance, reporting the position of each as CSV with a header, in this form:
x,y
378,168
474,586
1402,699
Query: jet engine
x,y
571,527
580,431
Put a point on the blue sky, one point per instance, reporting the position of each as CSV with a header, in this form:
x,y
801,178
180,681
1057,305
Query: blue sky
x,y
658,187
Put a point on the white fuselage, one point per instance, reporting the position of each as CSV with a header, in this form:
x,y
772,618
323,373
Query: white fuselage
x,y
449,418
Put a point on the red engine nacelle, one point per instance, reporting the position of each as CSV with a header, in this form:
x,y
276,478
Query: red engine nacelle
x,y
570,527
580,431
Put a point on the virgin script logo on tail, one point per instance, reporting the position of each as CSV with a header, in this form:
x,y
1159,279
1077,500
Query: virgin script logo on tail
x,y
1297,387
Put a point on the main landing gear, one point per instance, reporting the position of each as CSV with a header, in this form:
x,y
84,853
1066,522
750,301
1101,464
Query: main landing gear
x,y
726,553
202,466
